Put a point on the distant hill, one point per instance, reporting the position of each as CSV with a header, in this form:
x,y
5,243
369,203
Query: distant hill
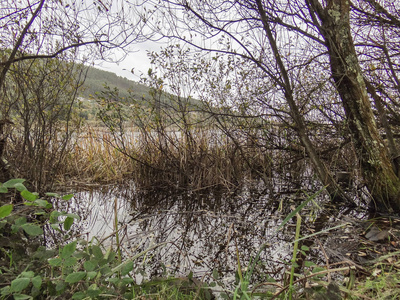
x,y
96,79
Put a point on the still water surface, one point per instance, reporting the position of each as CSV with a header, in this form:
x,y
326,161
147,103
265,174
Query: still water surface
x,y
203,233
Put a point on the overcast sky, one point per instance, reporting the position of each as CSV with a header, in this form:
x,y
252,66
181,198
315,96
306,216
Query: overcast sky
x,y
138,61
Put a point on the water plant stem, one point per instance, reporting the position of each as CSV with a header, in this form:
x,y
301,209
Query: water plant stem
x,y
116,229
294,258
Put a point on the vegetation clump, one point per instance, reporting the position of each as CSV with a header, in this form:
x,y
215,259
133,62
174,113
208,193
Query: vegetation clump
x,y
71,268
40,259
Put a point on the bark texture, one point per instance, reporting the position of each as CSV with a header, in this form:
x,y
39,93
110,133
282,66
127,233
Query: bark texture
x,y
335,191
4,172
382,182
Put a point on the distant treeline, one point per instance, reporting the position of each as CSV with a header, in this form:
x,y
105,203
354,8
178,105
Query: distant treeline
x,y
96,79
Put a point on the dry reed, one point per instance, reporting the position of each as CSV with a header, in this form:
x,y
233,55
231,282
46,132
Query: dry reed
x,y
93,159
197,160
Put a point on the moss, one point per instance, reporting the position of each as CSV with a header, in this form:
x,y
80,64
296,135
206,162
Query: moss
x,y
352,63
334,14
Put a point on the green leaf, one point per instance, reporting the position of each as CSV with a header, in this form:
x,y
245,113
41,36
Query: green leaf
x,y
93,287
37,282
60,286
19,284
128,267
90,265
305,248
94,293
20,221
102,262
3,223
55,227
70,261
96,250
299,208
113,280
67,197
54,216
110,256
309,264
318,269
5,210
82,255
32,229
190,276
5,291
20,187
75,216
12,182
3,189
68,223
40,212
29,274
127,280
105,270
215,274
21,297
75,277
55,262
55,195
68,250
91,275
27,195
79,295
43,203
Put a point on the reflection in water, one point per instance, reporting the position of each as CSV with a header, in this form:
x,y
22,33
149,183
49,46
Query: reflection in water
x,y
204,232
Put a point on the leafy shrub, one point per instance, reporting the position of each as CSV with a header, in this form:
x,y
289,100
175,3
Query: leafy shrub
x,y
74,270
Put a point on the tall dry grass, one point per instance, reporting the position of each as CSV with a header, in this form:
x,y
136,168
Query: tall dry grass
x,y
94,159
205,159
197,159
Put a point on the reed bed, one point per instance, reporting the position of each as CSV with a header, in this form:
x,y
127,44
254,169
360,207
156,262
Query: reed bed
x,y
197,160
155,159
94,159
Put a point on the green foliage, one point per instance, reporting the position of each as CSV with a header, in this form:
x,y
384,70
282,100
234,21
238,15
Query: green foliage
x,y
75,270
72,270
79,269
5,210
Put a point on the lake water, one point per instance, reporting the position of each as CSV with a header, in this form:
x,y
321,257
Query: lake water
x,y
204,233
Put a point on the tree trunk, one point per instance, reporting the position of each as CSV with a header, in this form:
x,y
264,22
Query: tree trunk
x,y
381,181
4,172
335,191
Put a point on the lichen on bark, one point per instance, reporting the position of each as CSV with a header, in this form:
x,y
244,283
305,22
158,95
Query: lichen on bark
x,y
380,179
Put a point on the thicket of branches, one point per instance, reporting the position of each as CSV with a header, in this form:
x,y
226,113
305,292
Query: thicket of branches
x,y
303,64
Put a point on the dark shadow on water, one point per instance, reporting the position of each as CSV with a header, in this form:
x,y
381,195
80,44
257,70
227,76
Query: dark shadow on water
x,y
206,233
